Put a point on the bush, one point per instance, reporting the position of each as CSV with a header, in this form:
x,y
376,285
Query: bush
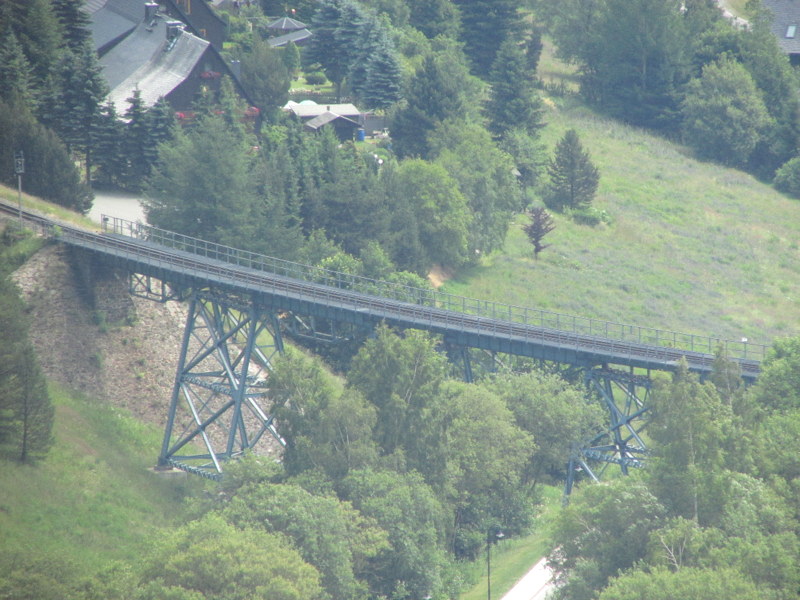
x,y
787,178
589,215
315,78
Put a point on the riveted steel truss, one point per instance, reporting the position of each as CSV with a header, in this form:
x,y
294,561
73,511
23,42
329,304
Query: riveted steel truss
x,y
625,396
218,408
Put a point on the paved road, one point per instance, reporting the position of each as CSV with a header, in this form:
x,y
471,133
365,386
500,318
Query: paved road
x,y
534,585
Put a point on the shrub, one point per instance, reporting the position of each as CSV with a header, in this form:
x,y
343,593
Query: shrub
x,y
787,178
315,78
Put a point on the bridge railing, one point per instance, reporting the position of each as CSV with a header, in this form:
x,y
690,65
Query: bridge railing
x,y
550,320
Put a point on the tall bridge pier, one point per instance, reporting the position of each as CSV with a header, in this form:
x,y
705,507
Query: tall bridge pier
x,y
219,401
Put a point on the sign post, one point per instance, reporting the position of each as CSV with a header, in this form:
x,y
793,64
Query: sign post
x,y
19,169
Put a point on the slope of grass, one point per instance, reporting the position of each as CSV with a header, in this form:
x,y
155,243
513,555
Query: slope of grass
x,y
94,499
693,246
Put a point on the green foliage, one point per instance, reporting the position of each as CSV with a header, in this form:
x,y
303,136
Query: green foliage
x,y
26,411
49,171
723,113
573,177
787,178
16,71
266,77
329,534
485,175
315,78
698,584
440,89
201,186
435,17
209,558
604,530
406,508
513,101
485,25
290,54
436,215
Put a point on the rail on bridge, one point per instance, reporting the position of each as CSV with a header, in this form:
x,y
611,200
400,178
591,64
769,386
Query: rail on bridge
x,y
241,304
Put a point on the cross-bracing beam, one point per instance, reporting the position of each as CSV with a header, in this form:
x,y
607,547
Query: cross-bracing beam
x,y
219,406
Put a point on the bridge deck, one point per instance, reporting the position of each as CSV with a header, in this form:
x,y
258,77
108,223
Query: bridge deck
x,y
274,291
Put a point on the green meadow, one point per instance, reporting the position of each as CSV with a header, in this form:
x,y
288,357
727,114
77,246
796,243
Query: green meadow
x,y
690,246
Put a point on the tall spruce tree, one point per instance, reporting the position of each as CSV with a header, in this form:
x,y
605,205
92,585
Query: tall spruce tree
x,y
26,412
324,48
439,90
513,101
77,107
15,71
383,78
108,138
136,142
75,23
573,177
485,24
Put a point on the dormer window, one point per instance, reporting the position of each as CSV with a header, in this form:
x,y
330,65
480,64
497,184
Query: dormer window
x,y
791,30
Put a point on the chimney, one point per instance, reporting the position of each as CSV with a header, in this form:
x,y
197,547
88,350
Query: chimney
x,y
150,10
173,29
236,69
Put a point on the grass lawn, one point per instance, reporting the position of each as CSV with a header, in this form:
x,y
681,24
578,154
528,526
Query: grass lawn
x,y
693,247
93,499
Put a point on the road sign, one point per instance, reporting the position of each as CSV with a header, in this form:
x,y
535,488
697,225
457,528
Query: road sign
x,y
19,163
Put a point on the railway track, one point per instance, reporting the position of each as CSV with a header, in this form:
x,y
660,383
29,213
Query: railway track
x,y
523,338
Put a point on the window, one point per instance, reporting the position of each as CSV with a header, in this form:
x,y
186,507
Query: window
x,y
791,30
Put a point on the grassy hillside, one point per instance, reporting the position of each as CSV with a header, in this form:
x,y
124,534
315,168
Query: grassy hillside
x,y
93,500
693,246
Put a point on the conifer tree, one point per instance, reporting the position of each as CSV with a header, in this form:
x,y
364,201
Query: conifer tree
x,y
324,48
573,176
82,90
26,412
136,142
513,102
383,77
74,23
108,146
15,71
485,24
50,172
541,224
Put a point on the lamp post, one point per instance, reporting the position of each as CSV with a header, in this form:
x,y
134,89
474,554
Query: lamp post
x,y
19,169
492,535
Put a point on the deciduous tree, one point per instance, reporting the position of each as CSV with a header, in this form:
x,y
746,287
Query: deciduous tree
x,y
723,113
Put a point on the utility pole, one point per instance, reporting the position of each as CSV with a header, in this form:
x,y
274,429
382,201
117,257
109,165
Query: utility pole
x,y
19,169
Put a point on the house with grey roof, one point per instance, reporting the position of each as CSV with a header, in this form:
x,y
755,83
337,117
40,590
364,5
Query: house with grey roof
x,y
143,48
786,26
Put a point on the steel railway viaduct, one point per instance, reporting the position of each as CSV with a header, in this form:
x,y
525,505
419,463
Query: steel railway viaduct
x,y
242,304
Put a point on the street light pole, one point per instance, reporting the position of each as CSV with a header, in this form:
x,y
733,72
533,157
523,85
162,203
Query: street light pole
x,y
493,534
19,169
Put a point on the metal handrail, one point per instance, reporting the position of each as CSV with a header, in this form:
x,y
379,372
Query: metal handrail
x,y
544,319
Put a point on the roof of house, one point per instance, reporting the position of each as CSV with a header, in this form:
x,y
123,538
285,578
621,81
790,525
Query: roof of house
x,y
293,36
326,118
111,19
309,109
286,24
785,23
147,60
